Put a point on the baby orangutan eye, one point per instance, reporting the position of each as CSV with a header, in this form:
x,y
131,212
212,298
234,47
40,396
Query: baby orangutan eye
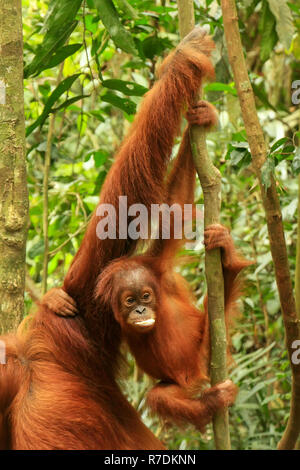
x,y
130,300
146,296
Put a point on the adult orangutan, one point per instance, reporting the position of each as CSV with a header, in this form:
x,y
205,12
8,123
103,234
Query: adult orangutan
x,y
58,387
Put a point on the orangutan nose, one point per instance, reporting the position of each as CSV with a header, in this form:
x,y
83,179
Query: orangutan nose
x,y
140,309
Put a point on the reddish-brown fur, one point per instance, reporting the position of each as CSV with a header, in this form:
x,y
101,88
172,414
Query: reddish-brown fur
x,y
58,388
176,349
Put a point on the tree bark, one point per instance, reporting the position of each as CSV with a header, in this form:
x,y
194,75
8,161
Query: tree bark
x,y
13,182
210,180
271,205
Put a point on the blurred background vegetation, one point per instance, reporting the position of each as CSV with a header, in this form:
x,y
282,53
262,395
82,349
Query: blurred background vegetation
x,y
87,65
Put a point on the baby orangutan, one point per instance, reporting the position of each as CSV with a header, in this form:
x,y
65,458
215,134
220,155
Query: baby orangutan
x,y
167,335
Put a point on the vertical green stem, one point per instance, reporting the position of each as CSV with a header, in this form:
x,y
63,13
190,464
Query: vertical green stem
x,y
46,192
46,202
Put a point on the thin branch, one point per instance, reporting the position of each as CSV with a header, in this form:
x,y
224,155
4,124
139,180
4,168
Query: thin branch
x,y
78,231
85,45
46,192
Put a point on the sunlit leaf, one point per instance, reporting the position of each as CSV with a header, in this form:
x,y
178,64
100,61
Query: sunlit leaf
x,y
60,56
221,87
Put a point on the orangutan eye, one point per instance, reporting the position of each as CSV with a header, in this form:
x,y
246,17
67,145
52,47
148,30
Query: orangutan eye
x,y
130,300
146,296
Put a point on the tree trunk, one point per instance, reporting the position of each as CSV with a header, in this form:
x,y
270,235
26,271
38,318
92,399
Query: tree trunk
x,y
13,183
210,180
297,274
271,205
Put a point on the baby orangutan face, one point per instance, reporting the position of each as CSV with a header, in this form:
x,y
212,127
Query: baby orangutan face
x,y
136,299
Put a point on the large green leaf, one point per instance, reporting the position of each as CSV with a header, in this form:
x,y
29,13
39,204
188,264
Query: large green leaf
x,y
59,24
55,95
128,88
122,103
109,16
284,21
154,46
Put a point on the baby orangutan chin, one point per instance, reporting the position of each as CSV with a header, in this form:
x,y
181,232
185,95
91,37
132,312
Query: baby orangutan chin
x,y
167,335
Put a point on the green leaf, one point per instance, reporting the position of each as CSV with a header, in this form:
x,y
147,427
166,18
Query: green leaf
x,y
278,144
295,8
128,88
259,91
127,9
55,95
91,23
154,46
99,182
60,56
267,28
284,21
98,115
240,158
221,87
36,249
109,16
133,64
122,103
256,389
100,157
69,102
59,24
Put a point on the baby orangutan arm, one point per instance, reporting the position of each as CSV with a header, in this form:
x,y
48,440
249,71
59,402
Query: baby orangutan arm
x,y
173,402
